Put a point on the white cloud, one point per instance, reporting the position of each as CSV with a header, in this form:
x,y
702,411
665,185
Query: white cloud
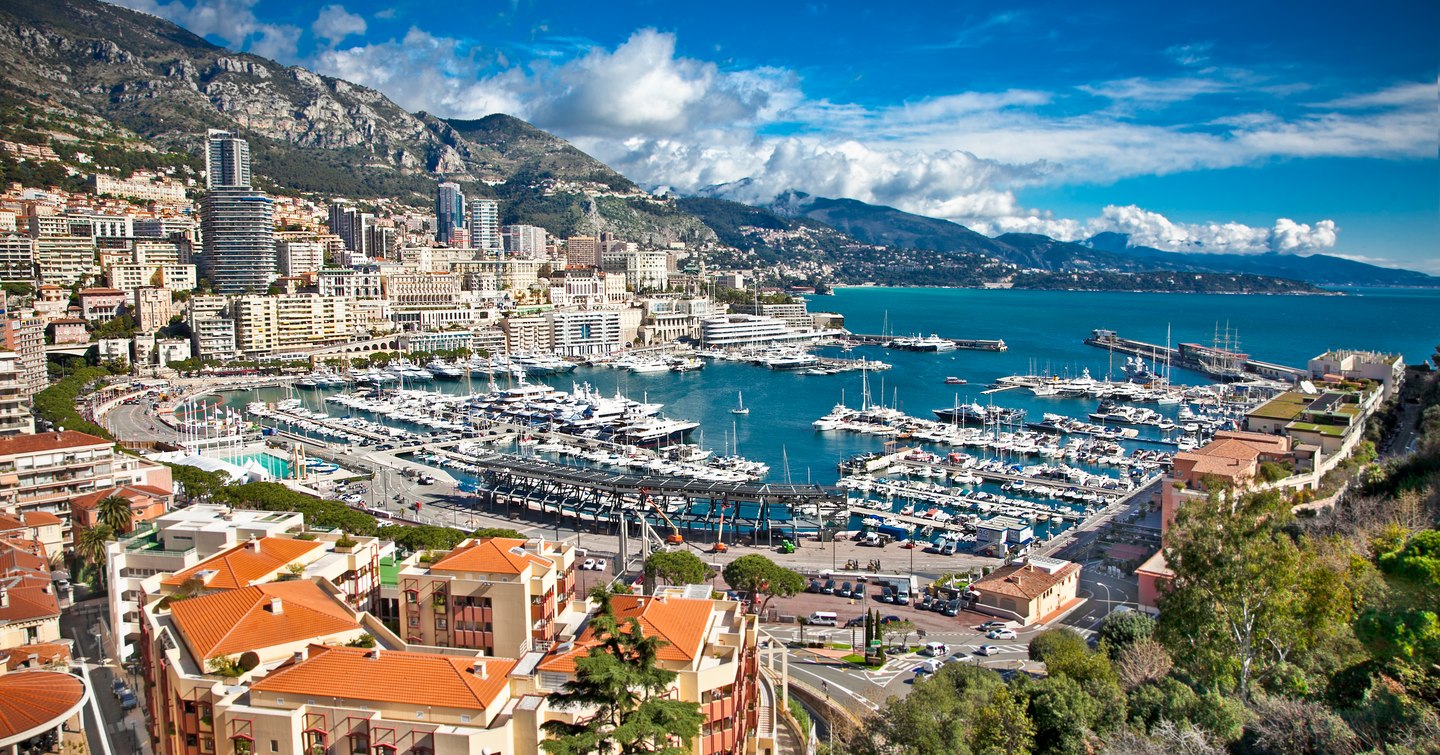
x,y
233,21
334,24
1152,229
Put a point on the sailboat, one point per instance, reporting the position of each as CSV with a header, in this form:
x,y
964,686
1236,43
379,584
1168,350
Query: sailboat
x,y
739,404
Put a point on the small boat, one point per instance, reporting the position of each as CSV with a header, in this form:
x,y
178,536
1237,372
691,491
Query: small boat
x,y
952,380
739,404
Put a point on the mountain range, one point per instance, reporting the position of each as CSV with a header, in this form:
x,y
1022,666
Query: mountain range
x,y
88,76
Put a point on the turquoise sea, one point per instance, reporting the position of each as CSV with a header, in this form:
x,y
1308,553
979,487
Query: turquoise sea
x,y
1043,330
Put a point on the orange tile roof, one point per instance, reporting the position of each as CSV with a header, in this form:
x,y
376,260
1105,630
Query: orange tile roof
x,y
243,564
132,493
1024,580
9,523
48,441
41,519
44,653
234,621
30,598
494,555
20,555
391,676
680,622
31,700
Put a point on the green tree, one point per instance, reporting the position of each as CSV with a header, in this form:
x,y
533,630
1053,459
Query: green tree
x,y
1247,599
1054,642
498,532
1002,726
760,576
90,546
1063,715
114,512
620,681
677,568
422,537
1121,630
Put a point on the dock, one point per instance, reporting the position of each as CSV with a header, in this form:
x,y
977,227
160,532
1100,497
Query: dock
x,y
1212,361
967,344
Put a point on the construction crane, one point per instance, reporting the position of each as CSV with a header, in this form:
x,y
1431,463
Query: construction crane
x,y
720,546
674,538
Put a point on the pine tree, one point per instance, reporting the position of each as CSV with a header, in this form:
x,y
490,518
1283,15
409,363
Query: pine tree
x,y
620,682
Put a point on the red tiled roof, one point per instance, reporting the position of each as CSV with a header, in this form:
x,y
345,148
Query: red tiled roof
x,y
243,564
41,519
1024,580
22,555
32,701
494,555
391,676
48,441
234,621
132,493
30,598
680,622
40,654
9,523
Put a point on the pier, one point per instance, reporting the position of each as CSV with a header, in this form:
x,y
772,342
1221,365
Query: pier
x,y
968,344
1197,357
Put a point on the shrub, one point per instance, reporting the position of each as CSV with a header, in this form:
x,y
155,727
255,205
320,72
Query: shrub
x,y
249,660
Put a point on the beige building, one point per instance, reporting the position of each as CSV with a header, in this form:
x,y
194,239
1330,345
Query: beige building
x,y
1037,589
43,472
171,276
297,257
15,416
526,335
24,334
17,258
498,595
1349,364
148,188
154,306
416,289
212,329
582,251
292,323
65,260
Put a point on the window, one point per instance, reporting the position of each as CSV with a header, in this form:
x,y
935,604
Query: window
x,y
360,744
274,745
440,624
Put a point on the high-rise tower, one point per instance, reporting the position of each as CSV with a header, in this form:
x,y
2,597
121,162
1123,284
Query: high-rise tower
x,y
237,222
449,211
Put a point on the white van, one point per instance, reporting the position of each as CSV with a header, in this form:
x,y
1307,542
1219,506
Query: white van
x,y
936,649
824,619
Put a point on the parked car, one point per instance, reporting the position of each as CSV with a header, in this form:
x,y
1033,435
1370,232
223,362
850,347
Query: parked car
x,y
118,687
829,587
887,595
928,667
902,595
987,626
588,565
128,701
814,586
601,564
844,590
1001,634
887,619
858,621
952,607
924,603
935,649
987,650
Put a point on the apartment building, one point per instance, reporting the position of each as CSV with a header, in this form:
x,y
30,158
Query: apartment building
x,y
43,472
212,331
71,330
349,282
154,306
174,542
102,303
527,335
523,240
29,605
17,258
1031,591
501,596
583,333
582,251
795,315
297,257
172,276
65,260
418,289
156,253
25,336
147,188
749,330
15,416
291,323
1350,364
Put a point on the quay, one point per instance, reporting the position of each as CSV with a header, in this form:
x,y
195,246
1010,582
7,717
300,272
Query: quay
x,y
1212,361
969,344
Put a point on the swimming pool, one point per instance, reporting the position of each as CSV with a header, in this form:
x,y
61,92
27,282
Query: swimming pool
x,y
273,464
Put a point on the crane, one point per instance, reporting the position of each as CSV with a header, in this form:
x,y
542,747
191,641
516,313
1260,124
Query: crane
x,y
674,538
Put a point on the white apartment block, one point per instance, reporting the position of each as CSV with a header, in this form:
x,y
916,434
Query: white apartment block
x,y
212,329
65,260
107,226
156,253
25,335
356,284
169,350
646,269
524,240
585,333
527,335
748,330
299,257
170,276
15,416
17,258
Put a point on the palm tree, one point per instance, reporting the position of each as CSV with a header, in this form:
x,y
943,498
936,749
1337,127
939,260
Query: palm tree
x,y
114,511
90,547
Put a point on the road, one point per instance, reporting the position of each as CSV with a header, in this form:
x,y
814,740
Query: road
x,y
137,422
108,728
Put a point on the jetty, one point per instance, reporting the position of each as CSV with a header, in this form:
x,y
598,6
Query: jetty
x,y
1216,361
968,344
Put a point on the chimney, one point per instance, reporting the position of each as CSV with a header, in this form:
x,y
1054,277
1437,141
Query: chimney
x,y
253,545
300,654
276,607
373,653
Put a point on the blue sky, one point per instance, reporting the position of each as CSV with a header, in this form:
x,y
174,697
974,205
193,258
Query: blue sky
x,y
1238,127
